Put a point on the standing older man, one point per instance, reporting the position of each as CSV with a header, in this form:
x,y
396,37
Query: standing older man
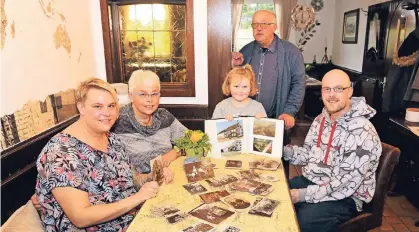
x,y
341,154
278,67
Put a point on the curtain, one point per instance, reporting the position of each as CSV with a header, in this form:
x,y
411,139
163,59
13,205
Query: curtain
x,y
237,6
283,16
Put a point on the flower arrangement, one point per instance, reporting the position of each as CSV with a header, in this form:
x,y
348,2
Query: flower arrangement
x,y
193,143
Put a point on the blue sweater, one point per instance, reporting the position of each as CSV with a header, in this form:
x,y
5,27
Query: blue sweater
x,y
291,76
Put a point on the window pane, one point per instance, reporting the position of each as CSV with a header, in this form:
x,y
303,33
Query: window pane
x,y
178,44
163,69
160,17
179,70
177,17
162,44
143,16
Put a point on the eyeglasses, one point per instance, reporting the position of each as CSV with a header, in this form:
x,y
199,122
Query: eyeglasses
x,y
144,96
337,89
262,25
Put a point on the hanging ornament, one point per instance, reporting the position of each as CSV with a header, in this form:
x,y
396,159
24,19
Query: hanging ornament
x,y
302,16
317,5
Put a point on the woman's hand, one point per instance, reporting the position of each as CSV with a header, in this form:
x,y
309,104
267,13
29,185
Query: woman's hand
x,y
259,115
168,175
148,190
169,157
36,202
229,117
141,179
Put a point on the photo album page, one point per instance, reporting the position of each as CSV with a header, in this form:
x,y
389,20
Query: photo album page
x,y
245,135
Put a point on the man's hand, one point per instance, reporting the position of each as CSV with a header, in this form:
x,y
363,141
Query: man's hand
x,y
289,120
148,190
168,175
294,195
236,59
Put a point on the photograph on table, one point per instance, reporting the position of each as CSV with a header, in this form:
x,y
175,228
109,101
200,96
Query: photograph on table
x,y
229,130
264,164
194,188
211,213
264,128
164,210
212,197
244,185
233,164
221,180
227,228
237,203
249,174
231,147
262,145
196,171
263,189
199,227
264,207
177,217
269,177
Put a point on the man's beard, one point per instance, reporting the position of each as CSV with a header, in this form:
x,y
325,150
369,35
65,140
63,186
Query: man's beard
x,y
336,108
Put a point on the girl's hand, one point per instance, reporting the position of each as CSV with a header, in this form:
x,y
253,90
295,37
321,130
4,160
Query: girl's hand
x,y
259,115
229,117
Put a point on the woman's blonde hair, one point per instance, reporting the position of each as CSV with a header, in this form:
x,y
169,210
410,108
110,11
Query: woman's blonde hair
x,y
94,83
245,72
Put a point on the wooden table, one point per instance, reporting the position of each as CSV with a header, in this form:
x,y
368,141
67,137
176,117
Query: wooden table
x,y
283,218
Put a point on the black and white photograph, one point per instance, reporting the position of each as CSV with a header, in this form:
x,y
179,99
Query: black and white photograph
x,y
211,213
249,174
231,147
199,227
212,197
194,188
263,189
264,164
237,203
233,164
228,130
264,128
177,217
228,228
221,180
264,207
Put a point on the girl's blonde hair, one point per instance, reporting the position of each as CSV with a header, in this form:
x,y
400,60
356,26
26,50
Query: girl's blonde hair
x,y
245,72
94,83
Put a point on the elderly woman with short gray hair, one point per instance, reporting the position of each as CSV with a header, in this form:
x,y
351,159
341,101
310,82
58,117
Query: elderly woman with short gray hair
x,y
146,130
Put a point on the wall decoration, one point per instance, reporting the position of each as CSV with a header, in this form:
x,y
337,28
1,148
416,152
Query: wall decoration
x,y
302,16
317,5
350,27
306,35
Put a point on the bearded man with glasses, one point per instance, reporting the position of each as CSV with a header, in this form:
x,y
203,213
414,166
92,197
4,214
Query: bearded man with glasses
x,y
340,156
279,70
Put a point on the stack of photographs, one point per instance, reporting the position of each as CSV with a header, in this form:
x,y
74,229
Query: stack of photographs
x,y
233,164
221,180
210,213
264,207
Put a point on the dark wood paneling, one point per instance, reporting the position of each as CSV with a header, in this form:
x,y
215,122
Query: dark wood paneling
x,y
106,39
219,48
18,170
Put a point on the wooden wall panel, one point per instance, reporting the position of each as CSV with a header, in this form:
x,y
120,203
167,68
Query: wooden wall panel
x,y
219,49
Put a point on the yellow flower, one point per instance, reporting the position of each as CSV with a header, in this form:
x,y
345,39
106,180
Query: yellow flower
x,y
196,136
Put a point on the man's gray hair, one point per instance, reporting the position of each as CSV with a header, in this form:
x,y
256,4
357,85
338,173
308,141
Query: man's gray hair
x,y
139,76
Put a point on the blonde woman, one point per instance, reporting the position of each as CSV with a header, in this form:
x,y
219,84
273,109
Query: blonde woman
x,y
84,180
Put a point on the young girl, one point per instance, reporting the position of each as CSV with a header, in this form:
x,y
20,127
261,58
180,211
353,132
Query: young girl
x,y
240,84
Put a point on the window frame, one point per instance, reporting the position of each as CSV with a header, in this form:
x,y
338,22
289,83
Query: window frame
x,y
113,59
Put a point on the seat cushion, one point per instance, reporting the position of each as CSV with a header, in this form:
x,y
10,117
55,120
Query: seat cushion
x,y
26,218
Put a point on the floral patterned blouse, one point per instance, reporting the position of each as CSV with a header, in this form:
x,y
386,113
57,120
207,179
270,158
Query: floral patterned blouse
x,y
68,162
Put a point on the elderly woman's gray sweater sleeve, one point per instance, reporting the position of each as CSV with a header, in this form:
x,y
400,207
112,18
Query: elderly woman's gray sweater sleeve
x,y
177,130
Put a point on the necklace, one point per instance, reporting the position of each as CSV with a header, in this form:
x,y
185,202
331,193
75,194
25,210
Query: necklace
x,y
143,122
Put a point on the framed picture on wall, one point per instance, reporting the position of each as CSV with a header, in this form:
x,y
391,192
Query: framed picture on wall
x,y
350,27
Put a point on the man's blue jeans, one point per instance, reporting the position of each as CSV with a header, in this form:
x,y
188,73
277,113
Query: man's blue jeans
x,y
323,216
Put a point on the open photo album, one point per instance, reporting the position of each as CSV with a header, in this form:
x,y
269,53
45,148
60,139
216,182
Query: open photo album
x,y
245,135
